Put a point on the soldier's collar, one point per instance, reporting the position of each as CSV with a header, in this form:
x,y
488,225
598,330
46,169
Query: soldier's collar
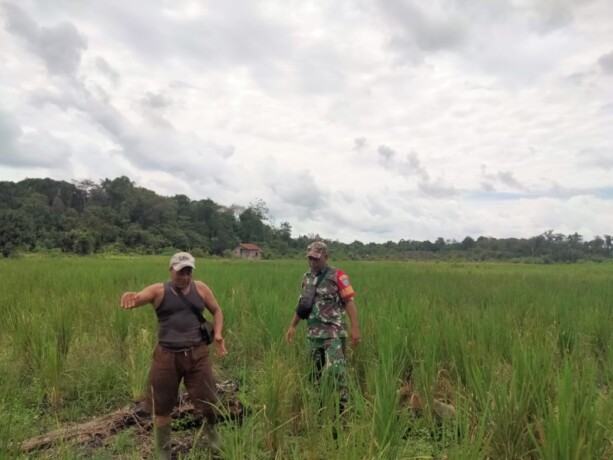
x,y
323,270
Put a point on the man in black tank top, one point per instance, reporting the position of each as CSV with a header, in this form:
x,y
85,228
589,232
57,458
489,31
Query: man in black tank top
x,y
181,353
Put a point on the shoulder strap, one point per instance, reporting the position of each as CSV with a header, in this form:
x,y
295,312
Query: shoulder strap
x,y
188,302
323,277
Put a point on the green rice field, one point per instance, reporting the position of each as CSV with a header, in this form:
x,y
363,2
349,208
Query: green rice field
x,y
523,353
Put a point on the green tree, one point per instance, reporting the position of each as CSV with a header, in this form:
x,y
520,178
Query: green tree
x,y
225,237
467,243
16,229
82,241
118,190
251,228
439,244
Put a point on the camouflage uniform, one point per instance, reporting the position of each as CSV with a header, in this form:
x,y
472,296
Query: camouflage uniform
x,y
325,327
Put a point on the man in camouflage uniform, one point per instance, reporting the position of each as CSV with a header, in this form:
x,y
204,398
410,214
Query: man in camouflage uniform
x,y
325,327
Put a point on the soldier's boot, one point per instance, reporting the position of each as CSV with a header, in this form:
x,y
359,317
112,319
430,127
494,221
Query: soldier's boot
x,y
163,448
343,413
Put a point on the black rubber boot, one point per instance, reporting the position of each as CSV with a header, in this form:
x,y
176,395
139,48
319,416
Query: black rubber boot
x,y
211,437
163,448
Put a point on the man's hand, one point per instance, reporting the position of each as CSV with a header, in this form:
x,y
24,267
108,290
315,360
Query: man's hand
x,y
128,300
220,345
356,338
289,335
148,295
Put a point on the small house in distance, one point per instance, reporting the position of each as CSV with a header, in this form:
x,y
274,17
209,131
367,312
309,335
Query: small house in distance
x,y
248,251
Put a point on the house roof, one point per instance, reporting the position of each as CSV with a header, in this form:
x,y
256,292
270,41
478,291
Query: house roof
x,y
250,247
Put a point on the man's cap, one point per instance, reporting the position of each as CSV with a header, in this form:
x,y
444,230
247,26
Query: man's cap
x,y
317,249
181,260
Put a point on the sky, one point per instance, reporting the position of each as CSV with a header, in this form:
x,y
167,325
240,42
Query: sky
x,y
355,120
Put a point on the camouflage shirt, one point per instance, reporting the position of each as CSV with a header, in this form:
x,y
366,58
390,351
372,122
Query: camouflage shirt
x,y
326,319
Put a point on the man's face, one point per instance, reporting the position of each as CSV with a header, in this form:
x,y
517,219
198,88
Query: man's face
x,y
318,265
182,278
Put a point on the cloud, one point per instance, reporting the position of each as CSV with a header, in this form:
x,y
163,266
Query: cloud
x,y
409,166
154,106
506,177
60,46
319,70
487,187
606,62
296,189
378,206
549,16
437,189
9,133
37,148
156,100
501,177
596,158
154,147
359,143
575,214
415,28
553,190
220,37
350,217
283,101
386,155
105,69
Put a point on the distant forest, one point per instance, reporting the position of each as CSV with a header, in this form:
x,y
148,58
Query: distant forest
x,y
116,216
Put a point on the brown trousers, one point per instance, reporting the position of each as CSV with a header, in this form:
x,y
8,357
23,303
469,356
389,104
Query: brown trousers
x,y
168,368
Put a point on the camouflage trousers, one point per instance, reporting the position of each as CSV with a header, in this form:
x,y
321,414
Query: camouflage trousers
x,y
329,365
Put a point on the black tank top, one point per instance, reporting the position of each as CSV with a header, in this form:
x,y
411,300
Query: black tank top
x,y
178,326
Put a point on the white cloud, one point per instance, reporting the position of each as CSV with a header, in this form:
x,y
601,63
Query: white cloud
x,y
351,119
596,158
606,62
59,46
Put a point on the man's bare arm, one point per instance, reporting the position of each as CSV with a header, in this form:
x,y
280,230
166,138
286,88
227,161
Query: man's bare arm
x,y
151,294
210,302
289,335
354,332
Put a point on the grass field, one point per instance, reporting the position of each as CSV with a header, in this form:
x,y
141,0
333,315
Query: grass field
x,y
522,351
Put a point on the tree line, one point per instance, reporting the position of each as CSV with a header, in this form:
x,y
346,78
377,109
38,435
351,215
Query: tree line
x,y
116,216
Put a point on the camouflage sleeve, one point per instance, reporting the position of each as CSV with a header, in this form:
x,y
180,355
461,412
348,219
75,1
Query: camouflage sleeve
x,y
304,281
344,286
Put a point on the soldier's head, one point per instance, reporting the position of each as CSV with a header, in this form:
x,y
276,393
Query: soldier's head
x,y
317,254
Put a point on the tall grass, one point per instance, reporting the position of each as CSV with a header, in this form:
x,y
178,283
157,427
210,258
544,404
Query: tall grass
x,y
523,352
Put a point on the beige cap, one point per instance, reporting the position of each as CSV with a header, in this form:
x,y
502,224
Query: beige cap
x,y
181,260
